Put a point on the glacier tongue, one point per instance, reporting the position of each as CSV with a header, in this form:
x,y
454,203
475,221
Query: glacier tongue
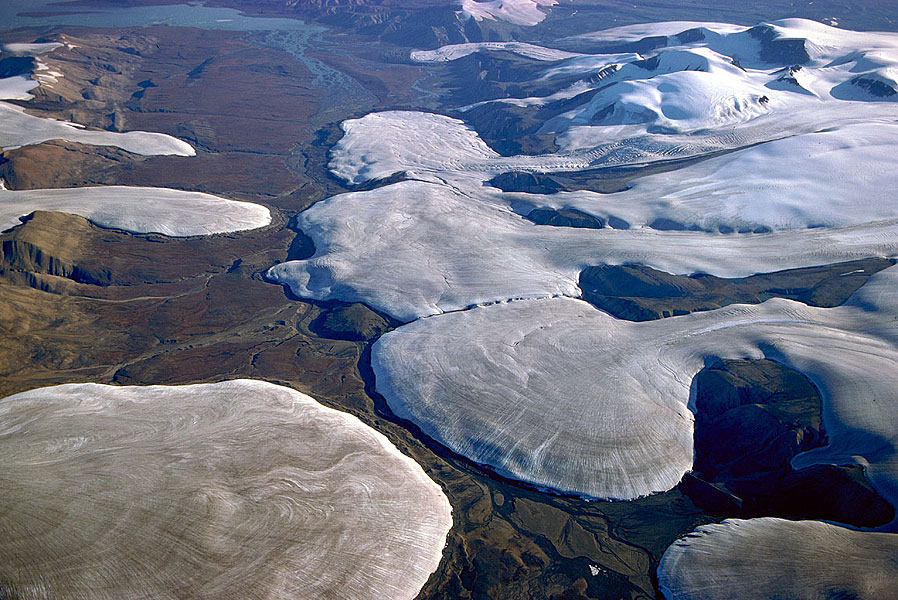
x,y
776,558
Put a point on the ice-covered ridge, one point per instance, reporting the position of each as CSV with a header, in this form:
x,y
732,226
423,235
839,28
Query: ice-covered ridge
x,y
433,146
138,209
559,394
516,12
234,490
776,558
817,43
640,31
456,51
17,128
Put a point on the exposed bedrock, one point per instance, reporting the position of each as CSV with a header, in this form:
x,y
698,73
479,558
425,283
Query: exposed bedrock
x,y
752,418
776,49
524,181
67,254
641,293
11,66
565,217
48,245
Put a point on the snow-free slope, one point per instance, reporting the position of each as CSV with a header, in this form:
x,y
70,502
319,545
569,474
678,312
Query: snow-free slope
x,y
775,558
234,490
138,209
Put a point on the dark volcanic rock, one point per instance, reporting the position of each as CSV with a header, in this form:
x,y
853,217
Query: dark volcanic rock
x,y
752,417
640,293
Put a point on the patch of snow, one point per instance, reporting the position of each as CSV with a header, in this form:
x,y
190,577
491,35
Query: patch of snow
x,y
17,128
456,51
17,88
516,12
33,49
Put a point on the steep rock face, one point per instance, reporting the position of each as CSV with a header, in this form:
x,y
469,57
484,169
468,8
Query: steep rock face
x,y
23,256
11,66
49,245
777,50
64,253
875,86
752,418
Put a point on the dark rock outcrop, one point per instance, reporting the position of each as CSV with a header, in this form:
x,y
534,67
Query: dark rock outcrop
x,y
564,217
640,293
752,417
875,87
776,50
11,66
523,181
